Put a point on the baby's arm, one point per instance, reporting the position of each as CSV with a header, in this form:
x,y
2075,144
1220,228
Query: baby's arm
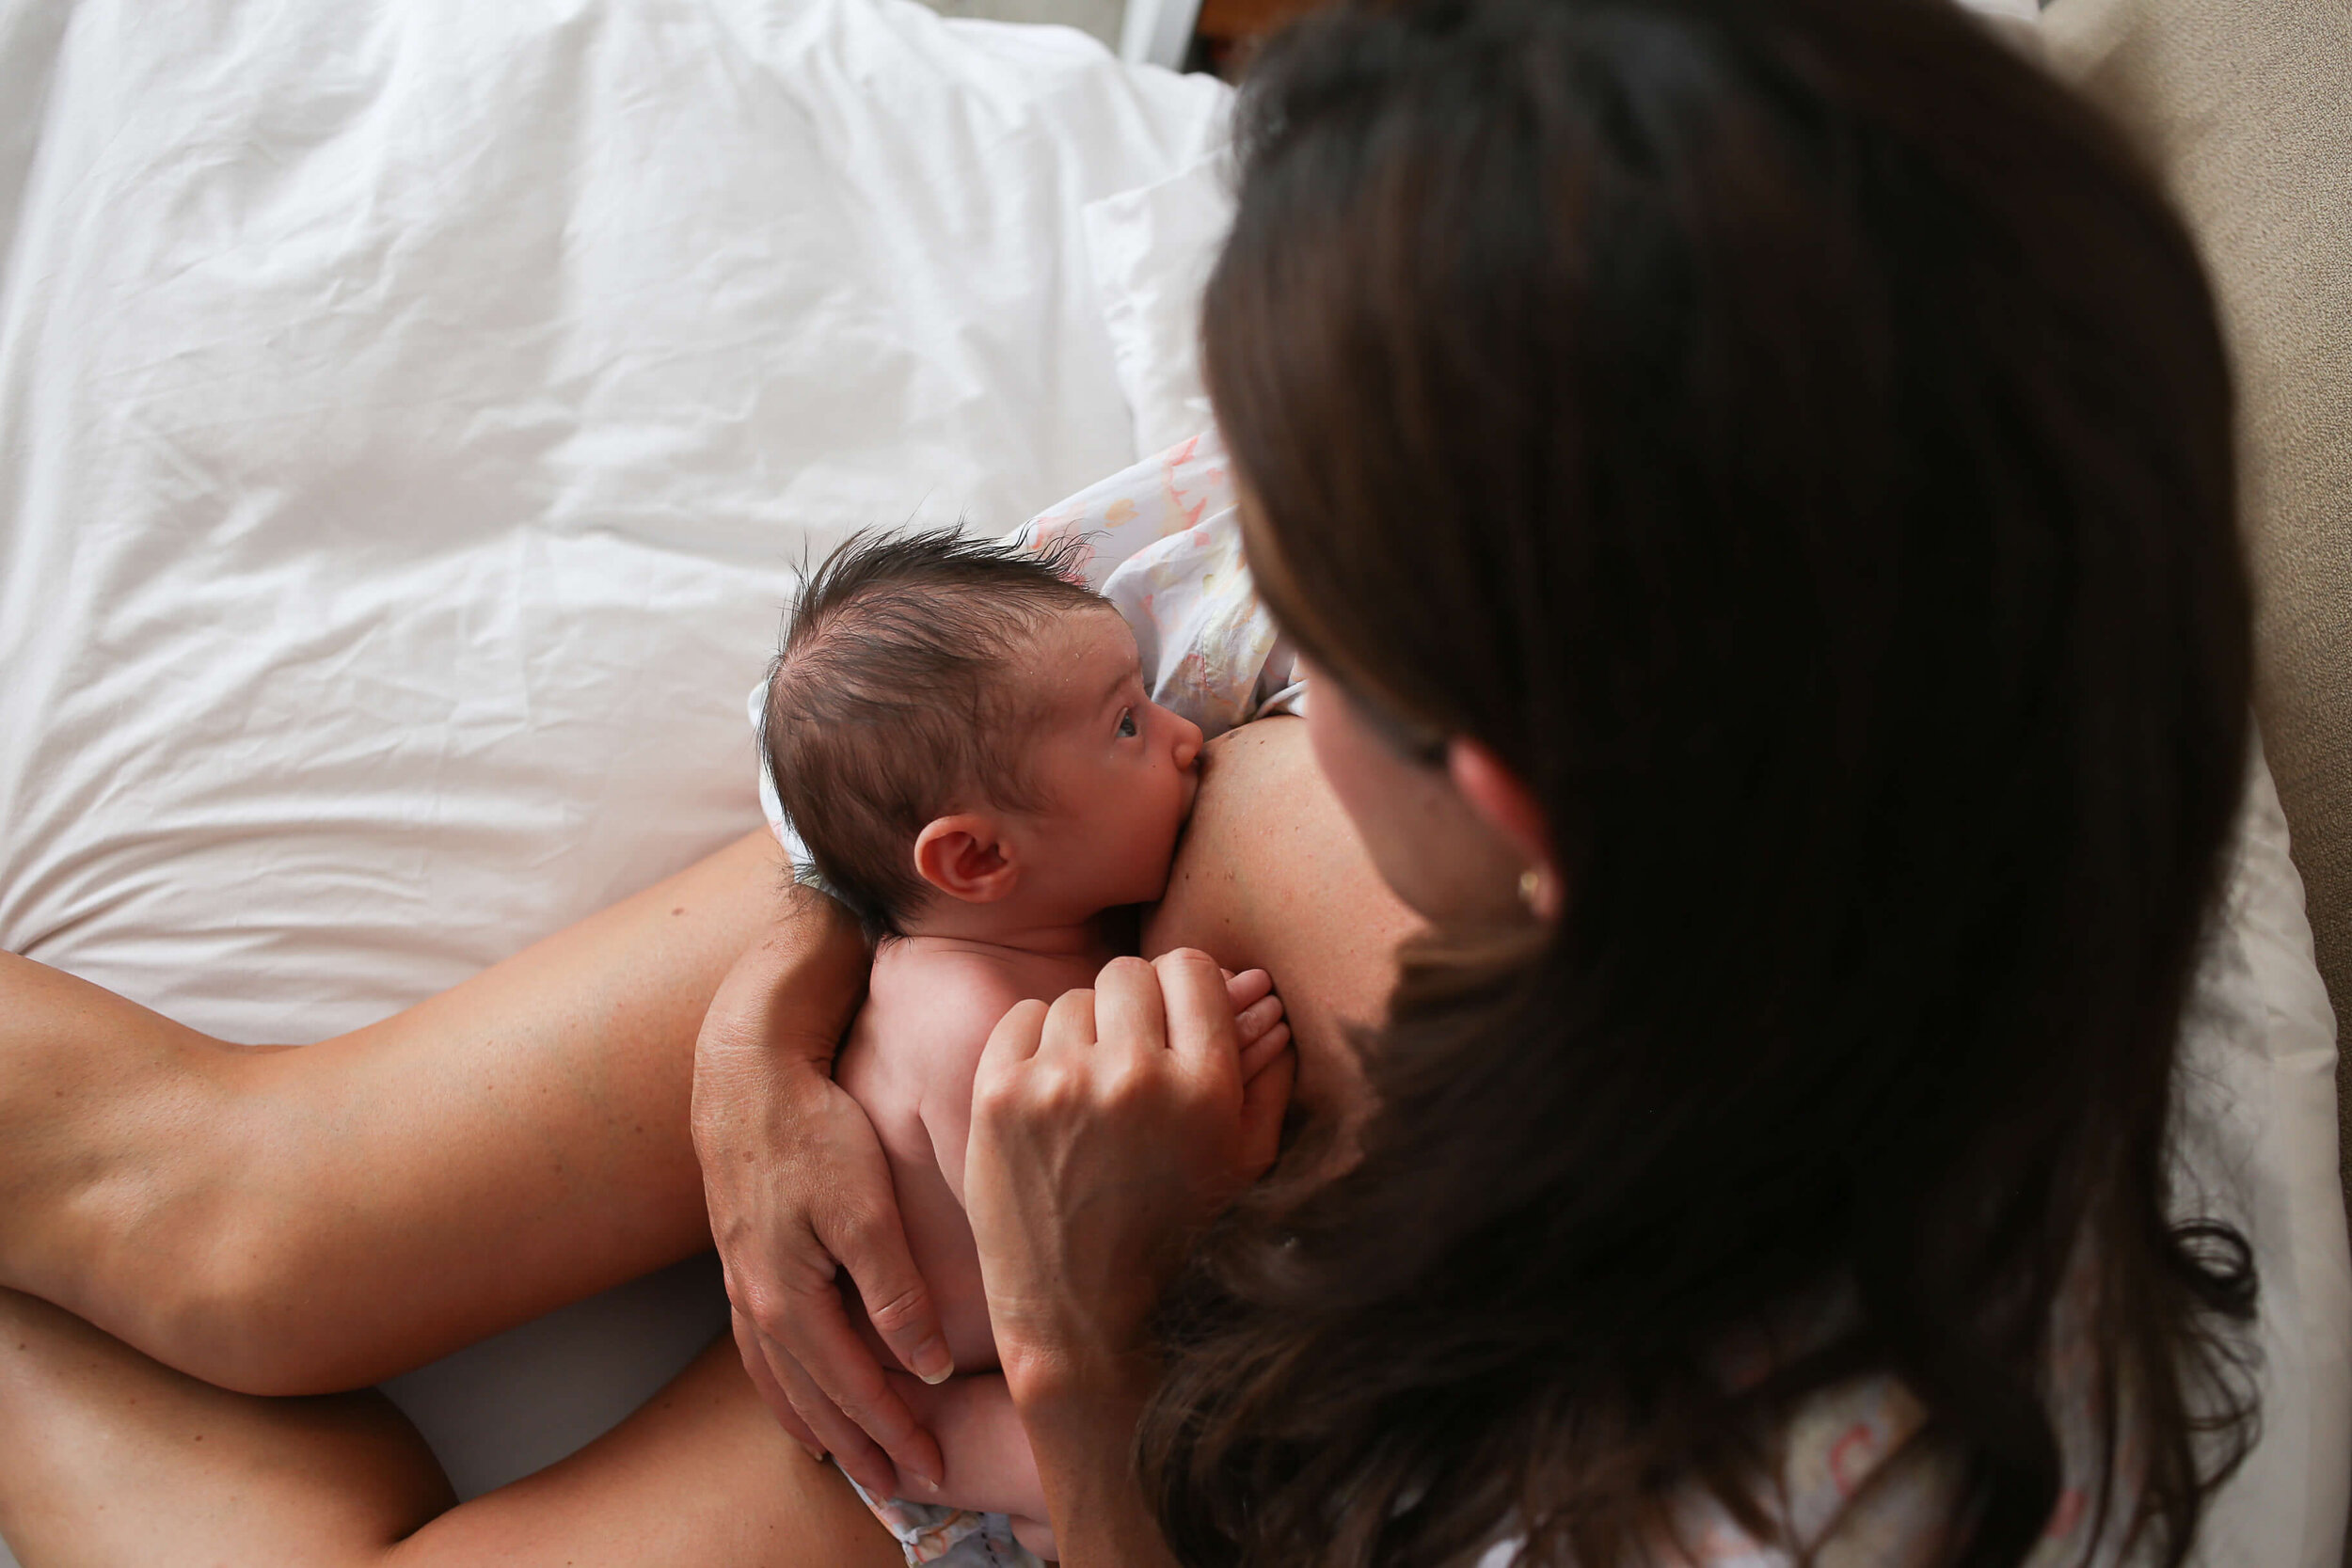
x,y
986,1453
989,1468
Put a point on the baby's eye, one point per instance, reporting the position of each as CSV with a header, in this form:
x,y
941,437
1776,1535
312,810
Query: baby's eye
x,y
1127,723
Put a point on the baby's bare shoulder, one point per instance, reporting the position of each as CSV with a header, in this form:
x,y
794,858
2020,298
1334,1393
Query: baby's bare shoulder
x,y
939,1003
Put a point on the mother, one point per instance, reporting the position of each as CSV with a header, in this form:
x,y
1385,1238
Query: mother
x,y
1754,479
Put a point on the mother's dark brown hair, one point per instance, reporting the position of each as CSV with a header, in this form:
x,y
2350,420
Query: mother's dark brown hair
x,y
1794,435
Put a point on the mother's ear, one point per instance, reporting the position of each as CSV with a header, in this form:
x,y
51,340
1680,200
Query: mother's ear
x,y
1509,807
967,857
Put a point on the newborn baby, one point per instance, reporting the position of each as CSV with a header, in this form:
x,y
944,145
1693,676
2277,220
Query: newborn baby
x,y
963,738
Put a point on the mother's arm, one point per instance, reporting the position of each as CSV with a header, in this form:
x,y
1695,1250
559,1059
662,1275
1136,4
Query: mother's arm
x,y
795,1179
1137,1088
1105,1130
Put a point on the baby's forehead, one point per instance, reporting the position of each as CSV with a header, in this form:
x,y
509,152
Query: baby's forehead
x,y
1075,657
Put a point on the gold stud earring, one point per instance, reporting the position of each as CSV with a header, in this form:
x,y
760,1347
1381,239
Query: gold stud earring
x,y
1530,885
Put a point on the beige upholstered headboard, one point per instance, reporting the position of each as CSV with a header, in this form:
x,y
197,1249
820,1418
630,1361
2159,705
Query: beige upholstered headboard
x,y
2246,106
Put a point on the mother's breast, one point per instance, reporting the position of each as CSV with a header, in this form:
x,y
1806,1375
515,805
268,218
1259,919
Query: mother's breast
x,y
1271,875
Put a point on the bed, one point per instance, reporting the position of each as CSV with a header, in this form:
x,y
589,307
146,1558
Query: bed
x,y
412,417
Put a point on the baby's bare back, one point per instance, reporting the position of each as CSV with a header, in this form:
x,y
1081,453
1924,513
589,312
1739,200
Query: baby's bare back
x,y
909,1062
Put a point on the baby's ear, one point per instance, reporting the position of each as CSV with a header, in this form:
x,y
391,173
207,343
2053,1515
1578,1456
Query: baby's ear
x,y
967,857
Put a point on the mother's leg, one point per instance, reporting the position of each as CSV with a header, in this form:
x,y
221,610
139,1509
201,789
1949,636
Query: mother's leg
x,y
295,1221
118,1460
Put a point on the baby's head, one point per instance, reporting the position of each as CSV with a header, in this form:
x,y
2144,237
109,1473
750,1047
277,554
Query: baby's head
x,y
956,722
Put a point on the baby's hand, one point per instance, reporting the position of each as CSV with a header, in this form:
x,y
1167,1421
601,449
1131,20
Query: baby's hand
x,y
1259,1027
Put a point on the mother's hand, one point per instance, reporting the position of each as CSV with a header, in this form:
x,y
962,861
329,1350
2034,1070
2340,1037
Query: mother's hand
x,y
796,1180
1106,1131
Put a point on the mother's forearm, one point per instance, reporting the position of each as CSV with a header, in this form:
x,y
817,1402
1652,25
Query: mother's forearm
x,y
1082,1424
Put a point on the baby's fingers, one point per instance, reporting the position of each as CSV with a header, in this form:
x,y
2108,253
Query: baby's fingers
x,y
1246,988
1263,1099
1264,1050
1256,1019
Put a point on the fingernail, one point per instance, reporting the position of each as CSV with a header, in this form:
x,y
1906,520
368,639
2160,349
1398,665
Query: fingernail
x,y
932,1363
815,1453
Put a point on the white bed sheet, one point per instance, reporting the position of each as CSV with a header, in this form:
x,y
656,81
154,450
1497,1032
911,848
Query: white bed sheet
x,y
410,414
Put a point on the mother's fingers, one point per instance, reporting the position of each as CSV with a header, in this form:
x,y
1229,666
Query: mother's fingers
x,y
754,1351
1128,1011
837,1386
1016,1037
1070,1022
1199,1019
1265,1096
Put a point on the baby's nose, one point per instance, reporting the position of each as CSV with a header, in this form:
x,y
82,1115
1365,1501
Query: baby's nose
x,y
1187,743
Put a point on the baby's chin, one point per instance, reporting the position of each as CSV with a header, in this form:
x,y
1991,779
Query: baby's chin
x,y
1150,886
1132,887
1164,871
1143,894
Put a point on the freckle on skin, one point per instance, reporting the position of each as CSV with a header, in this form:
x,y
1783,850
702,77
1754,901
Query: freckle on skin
x,y
680,909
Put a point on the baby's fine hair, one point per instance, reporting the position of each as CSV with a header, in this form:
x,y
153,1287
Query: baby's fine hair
x,y
889,703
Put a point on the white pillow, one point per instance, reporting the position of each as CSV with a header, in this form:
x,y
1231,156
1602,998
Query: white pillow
x,y
2258,1144
1151,250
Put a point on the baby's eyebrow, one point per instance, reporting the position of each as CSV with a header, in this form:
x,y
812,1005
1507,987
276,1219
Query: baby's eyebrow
x,y
1134,670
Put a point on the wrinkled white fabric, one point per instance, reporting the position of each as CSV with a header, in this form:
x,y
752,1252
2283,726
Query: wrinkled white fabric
x,y
411,415
1151,250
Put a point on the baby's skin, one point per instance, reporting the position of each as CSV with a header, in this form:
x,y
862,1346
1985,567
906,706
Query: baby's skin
x,y
1021,904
